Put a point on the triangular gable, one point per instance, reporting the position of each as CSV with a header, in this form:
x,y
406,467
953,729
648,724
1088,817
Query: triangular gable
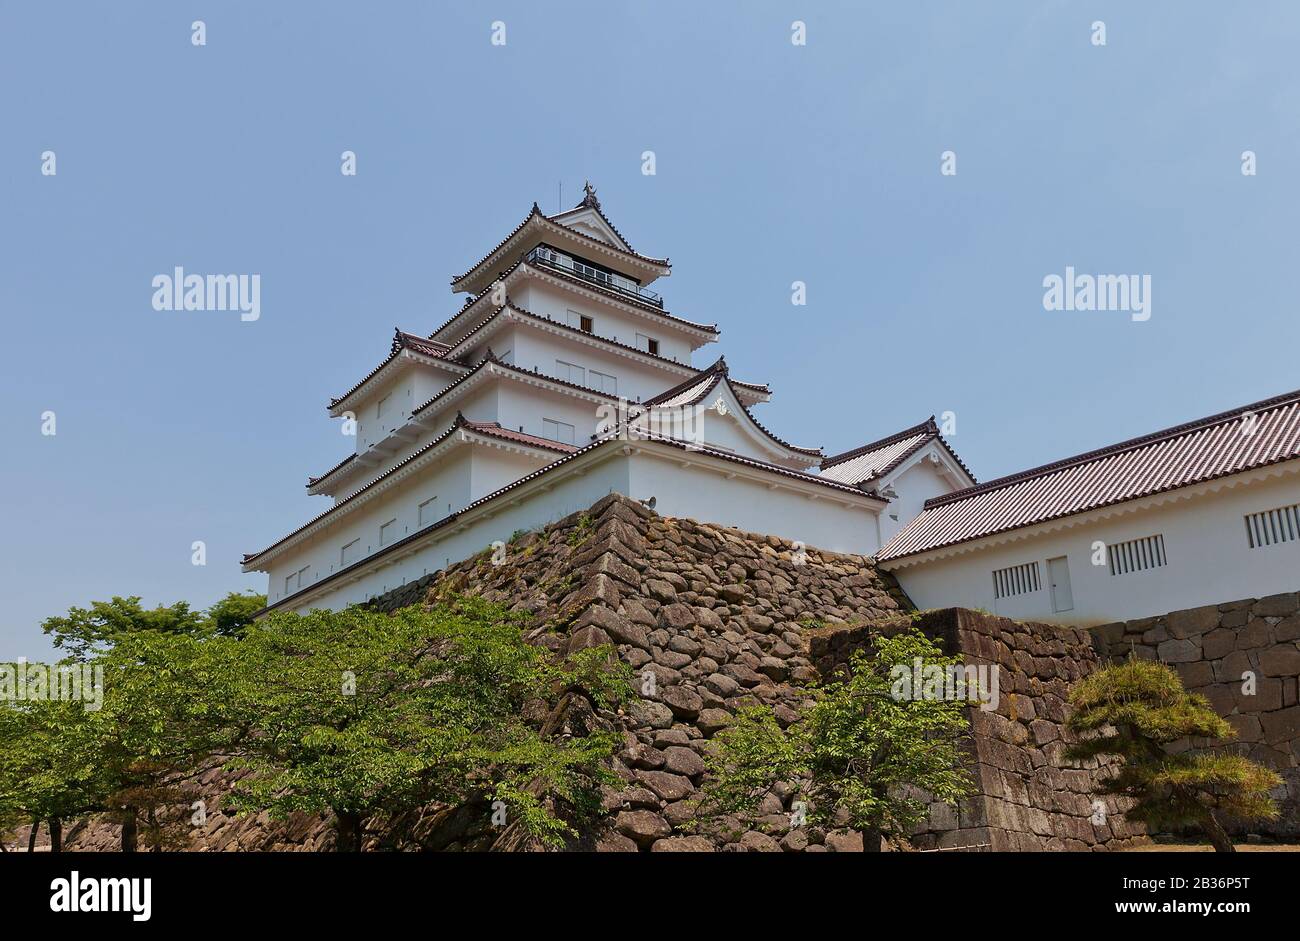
x,y
936,453
591,222
709,412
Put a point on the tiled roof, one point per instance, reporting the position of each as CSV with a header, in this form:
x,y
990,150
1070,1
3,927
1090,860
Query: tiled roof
x,y
313,481
586,285
548,321
494,430
401,341
486,429
564,459
875,460
536,213
697,388
1231,442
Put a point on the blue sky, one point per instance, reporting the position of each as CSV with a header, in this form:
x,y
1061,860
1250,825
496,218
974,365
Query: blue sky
x,y
774,163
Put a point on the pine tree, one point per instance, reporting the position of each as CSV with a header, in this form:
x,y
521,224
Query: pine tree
x,y
1133,710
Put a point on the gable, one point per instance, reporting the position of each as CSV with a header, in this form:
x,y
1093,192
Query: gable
x,y
587,221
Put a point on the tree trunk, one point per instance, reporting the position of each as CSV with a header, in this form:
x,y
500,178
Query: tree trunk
x,y
31,837
871,840
56,835
130,832
347,832
1219,838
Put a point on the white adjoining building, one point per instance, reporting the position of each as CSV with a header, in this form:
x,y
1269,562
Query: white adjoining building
x,y
564,378
1203,513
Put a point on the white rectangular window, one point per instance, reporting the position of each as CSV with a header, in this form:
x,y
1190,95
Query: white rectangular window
x,y
382,405
387,532
1016,580
570,372
603,381
557,430
348,553
428,511
649,344
1137,555
1269,527
288,583
304,574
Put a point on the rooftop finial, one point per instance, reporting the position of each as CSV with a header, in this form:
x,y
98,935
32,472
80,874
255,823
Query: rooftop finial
x,y
589,199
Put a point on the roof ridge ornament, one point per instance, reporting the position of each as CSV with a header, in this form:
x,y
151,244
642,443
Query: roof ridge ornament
x,y
589,200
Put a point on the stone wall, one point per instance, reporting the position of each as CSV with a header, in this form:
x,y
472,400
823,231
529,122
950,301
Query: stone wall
x,y
1215,649
720,619
1029,797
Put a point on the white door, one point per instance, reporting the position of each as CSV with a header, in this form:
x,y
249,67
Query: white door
x,y
1058,573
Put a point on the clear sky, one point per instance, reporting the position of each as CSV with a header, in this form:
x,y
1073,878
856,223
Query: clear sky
x,y
775,163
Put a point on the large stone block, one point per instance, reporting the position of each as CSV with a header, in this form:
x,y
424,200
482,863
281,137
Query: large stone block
x,y
1280,661
1277,605
1179,651
1191,622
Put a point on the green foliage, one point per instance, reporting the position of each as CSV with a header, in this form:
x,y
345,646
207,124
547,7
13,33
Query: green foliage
x,y
85,632
233,613
1134,709
582,531
859,752
350,712
46,762
358,711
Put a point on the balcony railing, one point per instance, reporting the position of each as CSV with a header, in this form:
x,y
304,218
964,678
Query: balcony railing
x,y
548,257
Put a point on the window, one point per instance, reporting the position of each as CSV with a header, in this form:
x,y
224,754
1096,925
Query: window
x,y
387,532
428,511
349,552
288,583
603,382
1015,580
649,344
302,576
557,430
1137,555
382,406
570,372
1269,527
580,320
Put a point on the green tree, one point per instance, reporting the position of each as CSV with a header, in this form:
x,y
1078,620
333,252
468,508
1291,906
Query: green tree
x,y
357,712
85,632
233,613
165,720
1133,710
47,764
859,750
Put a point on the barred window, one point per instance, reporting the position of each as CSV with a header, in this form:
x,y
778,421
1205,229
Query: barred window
x,y
1269,527
1015,580
1137,555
